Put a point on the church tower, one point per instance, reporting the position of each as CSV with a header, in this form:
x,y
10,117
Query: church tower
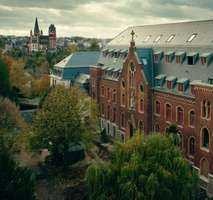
x,y
52,37
36,28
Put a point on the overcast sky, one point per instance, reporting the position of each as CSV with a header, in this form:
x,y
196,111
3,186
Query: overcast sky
x,y
96,18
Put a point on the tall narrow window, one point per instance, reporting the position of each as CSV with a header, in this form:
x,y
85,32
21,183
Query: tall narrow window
x,y
192,118
205,138
141,106
168,112
169,84
180,116
108,93
114,115
204,167
122,120
157,107
123,99
114,95
140,127
191,146
208,110
102,109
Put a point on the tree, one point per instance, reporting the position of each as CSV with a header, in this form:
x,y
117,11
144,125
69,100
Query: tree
x,y
10,118
19,79
40,86
67,118
4,79
173,132
143,168
15,182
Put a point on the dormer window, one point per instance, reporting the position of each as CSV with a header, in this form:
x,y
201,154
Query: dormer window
x,y
182,84
169,56
180,87
160,79
171,80
158,56
157,38
191,37
192,58
170,38
179,57
205,58
169,84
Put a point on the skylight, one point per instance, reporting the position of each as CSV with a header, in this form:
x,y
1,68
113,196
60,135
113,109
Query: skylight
x,y
158,38
192,37
147,38
171,37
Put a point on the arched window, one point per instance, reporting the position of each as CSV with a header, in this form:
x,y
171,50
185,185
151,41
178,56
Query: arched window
x,y
114,95
157,107
180,138
157,128
114,114
191,146
123,99
108,112
204,167
102,109
180,116
206,109
108,93
122,120
192,118
141,105
203,108
102,90
140,126
168,112
205,138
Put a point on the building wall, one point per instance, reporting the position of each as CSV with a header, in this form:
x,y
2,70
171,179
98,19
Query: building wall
x,y
102,89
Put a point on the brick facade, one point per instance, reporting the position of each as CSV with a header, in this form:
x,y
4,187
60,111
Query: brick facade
x,y
129,104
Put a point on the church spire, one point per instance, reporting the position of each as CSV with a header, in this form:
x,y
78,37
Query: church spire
x,y
36,28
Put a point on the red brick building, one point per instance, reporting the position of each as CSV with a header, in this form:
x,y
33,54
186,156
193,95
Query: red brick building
x,y
163,76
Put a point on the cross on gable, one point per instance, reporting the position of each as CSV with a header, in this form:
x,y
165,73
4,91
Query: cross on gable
x,y
133,35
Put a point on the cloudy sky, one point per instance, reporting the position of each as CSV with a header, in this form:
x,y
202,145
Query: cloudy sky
x,y
96,18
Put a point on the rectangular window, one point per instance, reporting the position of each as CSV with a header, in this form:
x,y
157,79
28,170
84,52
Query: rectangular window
x,y
210,80
122,120
180,87
190,60
178,59
156,58
169,84
167,59
203,60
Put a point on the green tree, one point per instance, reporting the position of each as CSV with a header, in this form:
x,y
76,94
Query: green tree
x,y
67,118
143,168
4,79
15,182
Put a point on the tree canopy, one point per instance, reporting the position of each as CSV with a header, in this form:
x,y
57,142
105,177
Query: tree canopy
x,y
4,79
67,117
143,168
15,182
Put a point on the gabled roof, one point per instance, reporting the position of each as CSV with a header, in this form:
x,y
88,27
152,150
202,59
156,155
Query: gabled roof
x,y
183,31
79,59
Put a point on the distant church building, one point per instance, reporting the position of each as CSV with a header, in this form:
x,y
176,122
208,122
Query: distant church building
x,y
40,42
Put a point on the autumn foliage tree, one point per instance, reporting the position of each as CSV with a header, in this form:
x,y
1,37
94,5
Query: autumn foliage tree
x,y
143,169
67,117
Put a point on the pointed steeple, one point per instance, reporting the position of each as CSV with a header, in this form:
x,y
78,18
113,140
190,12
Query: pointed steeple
x,y
36,28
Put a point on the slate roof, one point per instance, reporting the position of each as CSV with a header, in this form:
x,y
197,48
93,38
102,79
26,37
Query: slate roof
x,y
79,59
181,31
